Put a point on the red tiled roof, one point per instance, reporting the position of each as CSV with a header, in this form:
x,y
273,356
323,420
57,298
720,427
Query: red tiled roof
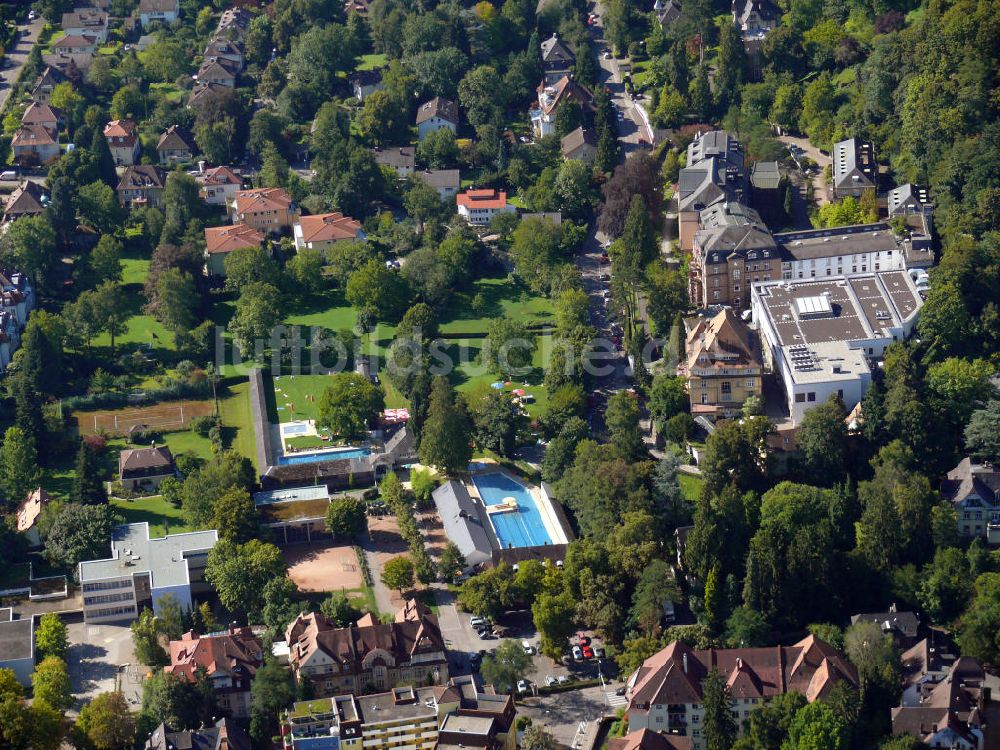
x,y
262,199
33,135
228,238
329,227
219,176
236,653
489,198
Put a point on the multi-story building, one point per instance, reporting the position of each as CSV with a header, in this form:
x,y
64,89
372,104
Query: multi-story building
x,y
223,735
17,300
164,11
460,714
220,241
974,490
665,693
552,96
86,22
558,60
34,145
229,660
141,571
143,469
142,185
644,739
219,185
478,207
724,366
436,114
266,209
323,231
80,48
714,174
401,160
854,168
176,145
294,515
445,181
29,199
368,655
819,334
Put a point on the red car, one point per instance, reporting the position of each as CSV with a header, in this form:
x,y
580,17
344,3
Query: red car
x,y
588,652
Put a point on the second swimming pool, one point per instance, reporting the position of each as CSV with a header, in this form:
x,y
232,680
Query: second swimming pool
x,y
520,528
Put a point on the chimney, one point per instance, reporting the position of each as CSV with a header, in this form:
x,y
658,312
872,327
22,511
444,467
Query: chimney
x,y
684,659
892,607
201,166
739,662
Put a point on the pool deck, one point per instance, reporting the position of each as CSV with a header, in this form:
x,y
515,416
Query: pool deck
x,y
554,529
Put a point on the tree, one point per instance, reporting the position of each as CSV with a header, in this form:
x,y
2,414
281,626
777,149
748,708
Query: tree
x,y
946,586
345,517
349,404
438,149
509,347
271,691
495,420
732,62
383,119
247,265
80,532
50,683
481,94
718,725
817,727
397,573
171,700
146,638
535,737
506,665
667,397
170,620
88,483
239,572
107,722
451,563
768,724
375,287
981,621
104,263
822,440
339,610
18,466
175,301
444,441
51,637
554,617
205,485
98,207
306,270
257,313
982,434
746,628
235,516
30,245
622,417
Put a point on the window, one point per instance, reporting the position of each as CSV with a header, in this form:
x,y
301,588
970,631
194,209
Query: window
x,y
810,396
749,383
800,398
736,288
727,387
828,272
715,294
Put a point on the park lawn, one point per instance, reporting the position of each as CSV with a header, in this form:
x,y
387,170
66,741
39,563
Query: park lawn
x,y
188,441
372,62
690,486
290,391
237,425
142,330
135,270
162,517
470,376
307,442
501,298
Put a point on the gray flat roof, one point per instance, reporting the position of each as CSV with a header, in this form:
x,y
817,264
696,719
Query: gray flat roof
x,y
293,494
463,521
16,641
132,551
833,241
382,707
468,724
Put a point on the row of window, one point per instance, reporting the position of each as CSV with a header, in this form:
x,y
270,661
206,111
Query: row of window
x,y
113,612
108,585
126,596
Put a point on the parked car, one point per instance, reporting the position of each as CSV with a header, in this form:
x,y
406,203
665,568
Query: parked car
x,y
588,652
598,652
550,680
478,623
620,691
522,686
606,55
528,648
487,635
562,679
8,174
577,653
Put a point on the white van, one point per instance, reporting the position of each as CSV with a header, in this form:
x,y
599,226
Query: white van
x,y
8,174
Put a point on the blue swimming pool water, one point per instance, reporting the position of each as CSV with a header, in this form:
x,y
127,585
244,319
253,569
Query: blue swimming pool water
x,y
311,458
521,528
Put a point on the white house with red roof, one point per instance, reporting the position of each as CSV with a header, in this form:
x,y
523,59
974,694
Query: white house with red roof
x,y
123,140
322,231
220,241
219,185
478,207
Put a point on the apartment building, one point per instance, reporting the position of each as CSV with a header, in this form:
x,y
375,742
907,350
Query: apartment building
x,y
368,655
665,693
854,168
323,231
436,114
818,334
724,365
478,207
267,209
229,660
17,300
973,489
142,570
714,174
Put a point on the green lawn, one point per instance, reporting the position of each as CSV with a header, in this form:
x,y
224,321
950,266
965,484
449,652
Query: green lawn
x,y
290,399
237,425
500,297
170,91
690,486
371,62
188,441
470,375
162,517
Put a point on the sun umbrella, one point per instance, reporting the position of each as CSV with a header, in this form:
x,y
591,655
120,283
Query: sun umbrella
x,y
498,385
518,391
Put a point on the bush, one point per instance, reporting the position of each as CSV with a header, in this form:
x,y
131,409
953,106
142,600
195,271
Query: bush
x,y
203,425
117,400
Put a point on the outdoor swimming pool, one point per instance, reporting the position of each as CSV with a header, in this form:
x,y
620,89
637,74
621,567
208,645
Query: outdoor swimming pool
x,y
331,455
299,428
520,528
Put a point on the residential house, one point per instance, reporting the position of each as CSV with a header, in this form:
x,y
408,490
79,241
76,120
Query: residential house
x,y
445,181
65,65
949,713
294,515
17,635
219,185
163,11
229,660
558,60
50,118
17,300
204,91
755,16
28,199
223,735
89,22
226,49
368,654
819,334
904,627
27,514
34,145
79,48
142,185
402,160
580,144
233,24
973,489
714,174
49,78
142,570
478,207
219,70
323,231
10,338
724,365
665,693
925,664
142,469
447,717
854,168
268,209
646,739
436,114
176,145
364,83
551,97
908,200
667,12
220,241
123,141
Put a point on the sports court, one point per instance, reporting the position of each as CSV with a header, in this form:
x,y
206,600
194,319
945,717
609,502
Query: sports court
x,y
316,568
166,417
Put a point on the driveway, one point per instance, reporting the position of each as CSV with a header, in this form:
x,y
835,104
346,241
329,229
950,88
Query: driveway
x,y
101,658
820,194
17,56
573,715
630,128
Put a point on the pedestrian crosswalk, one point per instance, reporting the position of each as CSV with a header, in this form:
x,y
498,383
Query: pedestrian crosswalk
x,y
615,700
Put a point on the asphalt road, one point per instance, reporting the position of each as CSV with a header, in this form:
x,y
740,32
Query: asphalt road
x,y
17,56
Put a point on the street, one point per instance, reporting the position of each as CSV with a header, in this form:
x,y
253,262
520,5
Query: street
x,y
17,56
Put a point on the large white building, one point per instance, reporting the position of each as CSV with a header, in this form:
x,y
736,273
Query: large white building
x,y
141,571
818,335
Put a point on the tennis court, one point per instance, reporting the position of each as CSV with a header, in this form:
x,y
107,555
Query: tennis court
x,y
518,527
165,417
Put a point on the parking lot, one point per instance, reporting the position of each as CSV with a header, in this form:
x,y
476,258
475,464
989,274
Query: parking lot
x,y
572,715
101,659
